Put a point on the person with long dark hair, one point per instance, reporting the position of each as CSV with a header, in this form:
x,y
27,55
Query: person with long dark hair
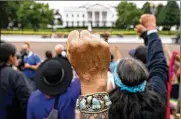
x,y
14,88
141,94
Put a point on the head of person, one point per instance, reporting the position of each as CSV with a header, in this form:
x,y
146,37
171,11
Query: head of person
x,y
139,53
7,54
59,48
48,54
54,76
131,98
25,48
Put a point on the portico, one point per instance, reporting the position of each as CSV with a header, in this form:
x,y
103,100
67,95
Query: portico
x,y
97,18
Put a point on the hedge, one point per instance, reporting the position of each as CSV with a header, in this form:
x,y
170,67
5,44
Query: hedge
x,y
65,32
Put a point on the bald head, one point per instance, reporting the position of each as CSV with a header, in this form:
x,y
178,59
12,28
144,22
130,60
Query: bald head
x,y
59,48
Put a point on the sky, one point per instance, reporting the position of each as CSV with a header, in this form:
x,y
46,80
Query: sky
x,y
61,4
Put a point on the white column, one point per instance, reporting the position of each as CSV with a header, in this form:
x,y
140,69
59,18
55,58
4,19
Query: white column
x,y
100,18
93,18
107,18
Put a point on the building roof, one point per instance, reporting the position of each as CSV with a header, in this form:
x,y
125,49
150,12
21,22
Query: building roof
x,y
89,6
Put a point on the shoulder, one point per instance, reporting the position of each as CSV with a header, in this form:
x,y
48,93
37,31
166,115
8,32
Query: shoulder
x,y
35,55
35,97
11,72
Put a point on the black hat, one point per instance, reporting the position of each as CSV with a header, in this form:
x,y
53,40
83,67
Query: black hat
x,y
139,53
54,76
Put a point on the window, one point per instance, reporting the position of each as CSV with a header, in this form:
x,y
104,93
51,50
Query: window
x,y
66,15
67,23
83,15
72,23
83,23
72,15
77,23
77,15
104,24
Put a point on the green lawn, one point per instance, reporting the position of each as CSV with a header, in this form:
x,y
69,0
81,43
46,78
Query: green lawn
x,y
66,31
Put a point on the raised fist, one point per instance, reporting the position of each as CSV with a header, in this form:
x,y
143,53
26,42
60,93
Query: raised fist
x,y
148,21
140,29
90,57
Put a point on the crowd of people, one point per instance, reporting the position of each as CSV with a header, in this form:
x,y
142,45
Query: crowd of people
x,y
86,80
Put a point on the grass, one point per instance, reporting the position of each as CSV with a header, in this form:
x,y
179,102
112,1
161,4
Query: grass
x,y
67,31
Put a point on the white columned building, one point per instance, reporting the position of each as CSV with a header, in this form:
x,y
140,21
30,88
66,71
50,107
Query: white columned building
x,y
97,15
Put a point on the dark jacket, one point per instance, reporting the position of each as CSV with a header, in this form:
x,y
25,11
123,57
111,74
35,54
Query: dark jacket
x,y
14,94
157,66
158,70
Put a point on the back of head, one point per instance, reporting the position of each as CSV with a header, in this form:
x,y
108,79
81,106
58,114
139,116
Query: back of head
x,y
6,50
137,103
48,54
59,48
140,53
132,72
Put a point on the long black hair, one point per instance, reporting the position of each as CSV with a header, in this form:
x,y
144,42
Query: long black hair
x,y
140,105
6,50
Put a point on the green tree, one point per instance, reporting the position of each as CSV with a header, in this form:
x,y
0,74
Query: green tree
x,y
3,14
128,14
146,8
171,15
160,14
8,13
34,15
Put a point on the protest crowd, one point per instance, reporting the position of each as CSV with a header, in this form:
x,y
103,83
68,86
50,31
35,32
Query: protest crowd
x,y
86,80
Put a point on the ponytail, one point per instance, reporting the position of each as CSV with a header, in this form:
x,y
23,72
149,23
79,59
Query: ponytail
x,y
125,105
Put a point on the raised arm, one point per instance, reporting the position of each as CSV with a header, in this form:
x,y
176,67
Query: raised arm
x,y
157,66
90,57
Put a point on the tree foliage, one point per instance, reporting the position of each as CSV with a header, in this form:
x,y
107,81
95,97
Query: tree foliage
x,y
146,8
171,15
128,14
8,12
160,14
34,15
29,14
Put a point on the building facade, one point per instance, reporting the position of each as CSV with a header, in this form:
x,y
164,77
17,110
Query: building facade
x,y
96,15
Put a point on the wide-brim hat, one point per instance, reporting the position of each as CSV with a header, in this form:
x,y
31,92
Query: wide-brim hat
x,y
54,76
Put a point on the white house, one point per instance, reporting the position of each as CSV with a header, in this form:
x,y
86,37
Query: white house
x,y
97,15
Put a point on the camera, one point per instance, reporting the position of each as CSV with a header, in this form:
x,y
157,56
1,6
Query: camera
x,y
20,58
